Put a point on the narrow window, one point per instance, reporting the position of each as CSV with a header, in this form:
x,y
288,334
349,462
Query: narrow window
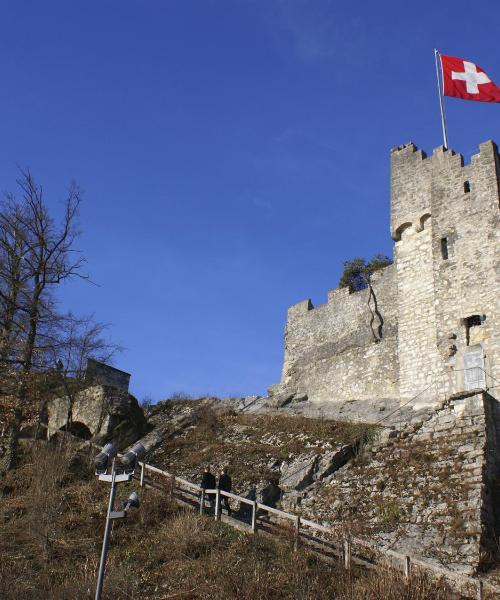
x,y
444,248
470,322
466,187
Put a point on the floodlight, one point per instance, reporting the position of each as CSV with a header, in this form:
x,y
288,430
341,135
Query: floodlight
x,y
129,459
101,461
131,502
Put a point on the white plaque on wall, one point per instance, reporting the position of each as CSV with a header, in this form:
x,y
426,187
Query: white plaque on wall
x,y
474,375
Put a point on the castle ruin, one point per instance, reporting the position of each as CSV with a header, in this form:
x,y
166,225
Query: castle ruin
x,y
436,307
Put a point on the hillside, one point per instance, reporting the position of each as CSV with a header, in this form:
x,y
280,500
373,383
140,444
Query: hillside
x,y
256,448
427,490
52,517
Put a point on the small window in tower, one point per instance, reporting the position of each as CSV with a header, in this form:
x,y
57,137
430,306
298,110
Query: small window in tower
x,y
470,323
466,187
444,248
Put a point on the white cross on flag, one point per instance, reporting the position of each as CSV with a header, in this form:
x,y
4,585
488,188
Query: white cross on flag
x,y
464,79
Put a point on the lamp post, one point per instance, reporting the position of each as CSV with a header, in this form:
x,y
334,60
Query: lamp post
x,y
106,470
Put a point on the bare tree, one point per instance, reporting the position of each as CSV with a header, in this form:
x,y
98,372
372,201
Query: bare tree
x,y
14,274
48,256
73,340
37,254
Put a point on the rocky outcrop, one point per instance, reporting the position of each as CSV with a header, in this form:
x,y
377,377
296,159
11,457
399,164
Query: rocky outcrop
x,y
308,468
257,447
102,413
385,411
299,473
165,429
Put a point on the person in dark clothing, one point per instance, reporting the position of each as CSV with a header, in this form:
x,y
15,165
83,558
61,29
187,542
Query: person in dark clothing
x,y
208,483
225,485
271,494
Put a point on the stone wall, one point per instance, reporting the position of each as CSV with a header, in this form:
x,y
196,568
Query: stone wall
x,y
330,351
98,372
468,282
427,492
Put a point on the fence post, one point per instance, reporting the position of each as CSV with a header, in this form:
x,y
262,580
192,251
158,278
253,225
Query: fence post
x,y
347,553
254,516
217,505
407,569
480,590
202,501
297,534
143,468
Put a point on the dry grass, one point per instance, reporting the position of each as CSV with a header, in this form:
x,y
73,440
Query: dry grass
x,y
51,530
338,432
250,444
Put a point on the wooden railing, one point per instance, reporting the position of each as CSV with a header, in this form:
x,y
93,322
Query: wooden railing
x,y
329,543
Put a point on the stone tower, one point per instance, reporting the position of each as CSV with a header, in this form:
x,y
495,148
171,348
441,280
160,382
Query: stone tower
x,y
445,223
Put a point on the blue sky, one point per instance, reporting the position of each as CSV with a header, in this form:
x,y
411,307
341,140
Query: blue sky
x,y
233,155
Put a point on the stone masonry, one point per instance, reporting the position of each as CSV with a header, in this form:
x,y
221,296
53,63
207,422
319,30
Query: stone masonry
x,y
99,372
431,491
439,301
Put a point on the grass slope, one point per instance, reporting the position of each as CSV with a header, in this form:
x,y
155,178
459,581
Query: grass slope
x,y
51,525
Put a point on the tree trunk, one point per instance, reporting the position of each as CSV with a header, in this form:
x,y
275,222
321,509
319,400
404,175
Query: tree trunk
x,y
5,336
29,347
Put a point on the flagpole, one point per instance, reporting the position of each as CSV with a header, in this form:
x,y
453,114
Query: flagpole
x,y
441,104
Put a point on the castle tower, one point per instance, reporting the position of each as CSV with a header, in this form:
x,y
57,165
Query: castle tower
x,y
445,223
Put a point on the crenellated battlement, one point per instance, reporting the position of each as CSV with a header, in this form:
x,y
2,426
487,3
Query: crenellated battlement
x,y
340,299
300,309
408,150
419,183
411,150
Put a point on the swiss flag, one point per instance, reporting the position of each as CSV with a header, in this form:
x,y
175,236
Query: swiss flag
x,y
464,79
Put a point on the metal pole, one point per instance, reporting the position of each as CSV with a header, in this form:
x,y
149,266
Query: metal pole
x,y
441,104
107,529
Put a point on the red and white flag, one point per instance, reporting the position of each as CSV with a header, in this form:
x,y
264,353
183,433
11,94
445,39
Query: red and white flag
x,y
466,80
